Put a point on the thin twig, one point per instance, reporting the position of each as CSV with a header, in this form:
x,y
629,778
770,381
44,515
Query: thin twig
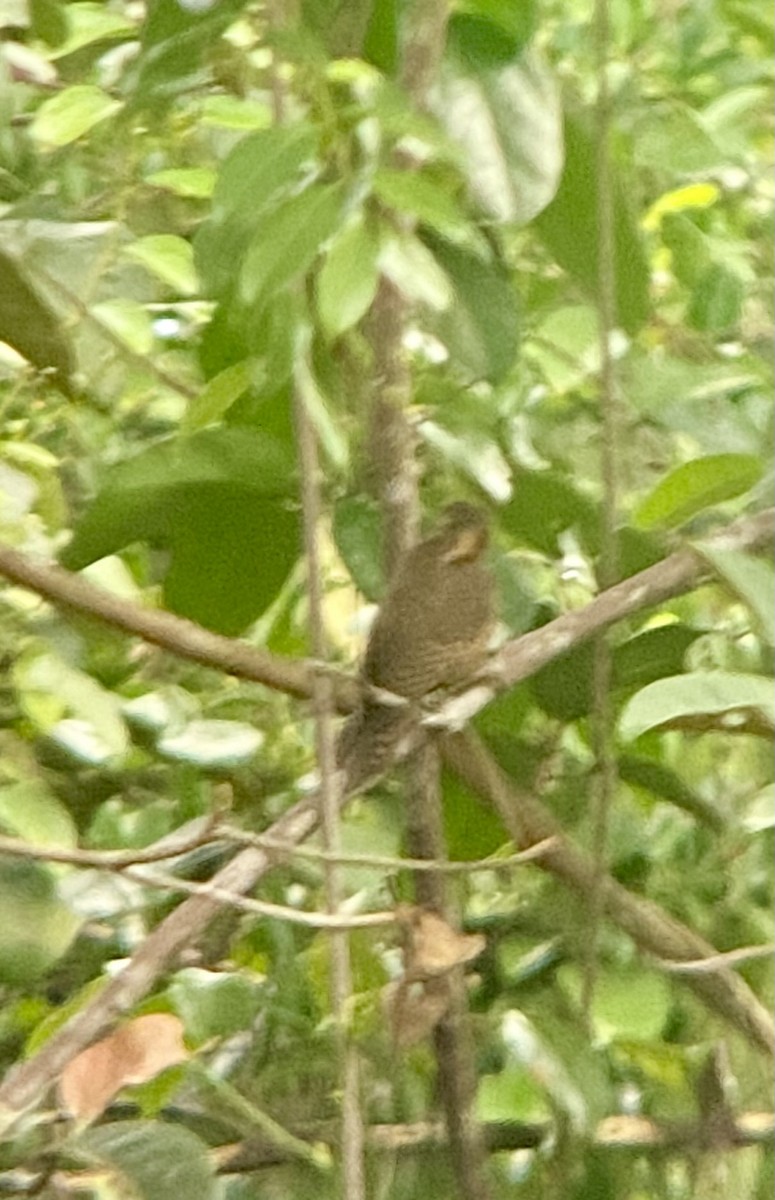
x,y
170,847
603,715
713,963
352,1139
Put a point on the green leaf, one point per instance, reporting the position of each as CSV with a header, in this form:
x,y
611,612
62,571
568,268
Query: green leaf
x,y
672,139
564,688
89,22
168,257
698,694
195,182
214,1003
219,501
50,688
36,928
566,347
29,325
348,278
760,811
380,45
30,811
652,654
212,745
428,201
236,112
505,116
260,167
286,241
471,829
717,302
480,327
544,505
67,116
695,486
688,246
627,1003
258,173
753,579
129,321
358,535
516,21
49,21
569,227
408,263
218,395
175,44
660,781
152,1160
473,451
231,557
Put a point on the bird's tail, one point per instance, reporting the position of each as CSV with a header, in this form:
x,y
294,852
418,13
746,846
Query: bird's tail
x,y
369,740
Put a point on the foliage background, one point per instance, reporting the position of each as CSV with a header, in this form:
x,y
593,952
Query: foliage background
x,y
175,263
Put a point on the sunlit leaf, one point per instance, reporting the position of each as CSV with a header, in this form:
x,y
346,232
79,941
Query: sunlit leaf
x,y
70,114
697,694
170,258
348,278
505,116
697,485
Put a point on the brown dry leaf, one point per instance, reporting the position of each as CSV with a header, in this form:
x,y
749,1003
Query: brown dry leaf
x,y
414,1010
434,947
133,1054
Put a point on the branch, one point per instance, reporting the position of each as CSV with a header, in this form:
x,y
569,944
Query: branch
x,y
650,927
177,635
517,660
612,1133
524,656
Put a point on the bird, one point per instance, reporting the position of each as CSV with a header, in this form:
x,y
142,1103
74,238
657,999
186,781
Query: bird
x,y
431,633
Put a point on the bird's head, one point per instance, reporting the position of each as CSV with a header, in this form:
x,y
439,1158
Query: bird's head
x,y
464,532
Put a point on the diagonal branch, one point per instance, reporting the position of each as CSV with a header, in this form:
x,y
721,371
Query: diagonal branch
x,y
652,929
517,660
649,926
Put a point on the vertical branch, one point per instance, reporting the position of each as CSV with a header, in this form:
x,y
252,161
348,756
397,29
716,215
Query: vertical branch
x,y
453,1045
607,572
393,472
352,1133
391,440
352,1136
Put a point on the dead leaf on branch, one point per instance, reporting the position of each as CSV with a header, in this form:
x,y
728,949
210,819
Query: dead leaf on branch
x,y
433,947
133,1054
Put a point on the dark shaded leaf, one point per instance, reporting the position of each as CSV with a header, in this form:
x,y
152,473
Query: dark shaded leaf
x,y
358,536
30,326
158,1160
569,227
219,502
545,504
481,327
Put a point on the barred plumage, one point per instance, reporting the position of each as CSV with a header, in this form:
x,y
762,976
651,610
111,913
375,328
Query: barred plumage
x,y
431,632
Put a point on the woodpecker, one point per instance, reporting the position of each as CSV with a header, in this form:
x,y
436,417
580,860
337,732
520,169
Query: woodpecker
x,y
431,633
